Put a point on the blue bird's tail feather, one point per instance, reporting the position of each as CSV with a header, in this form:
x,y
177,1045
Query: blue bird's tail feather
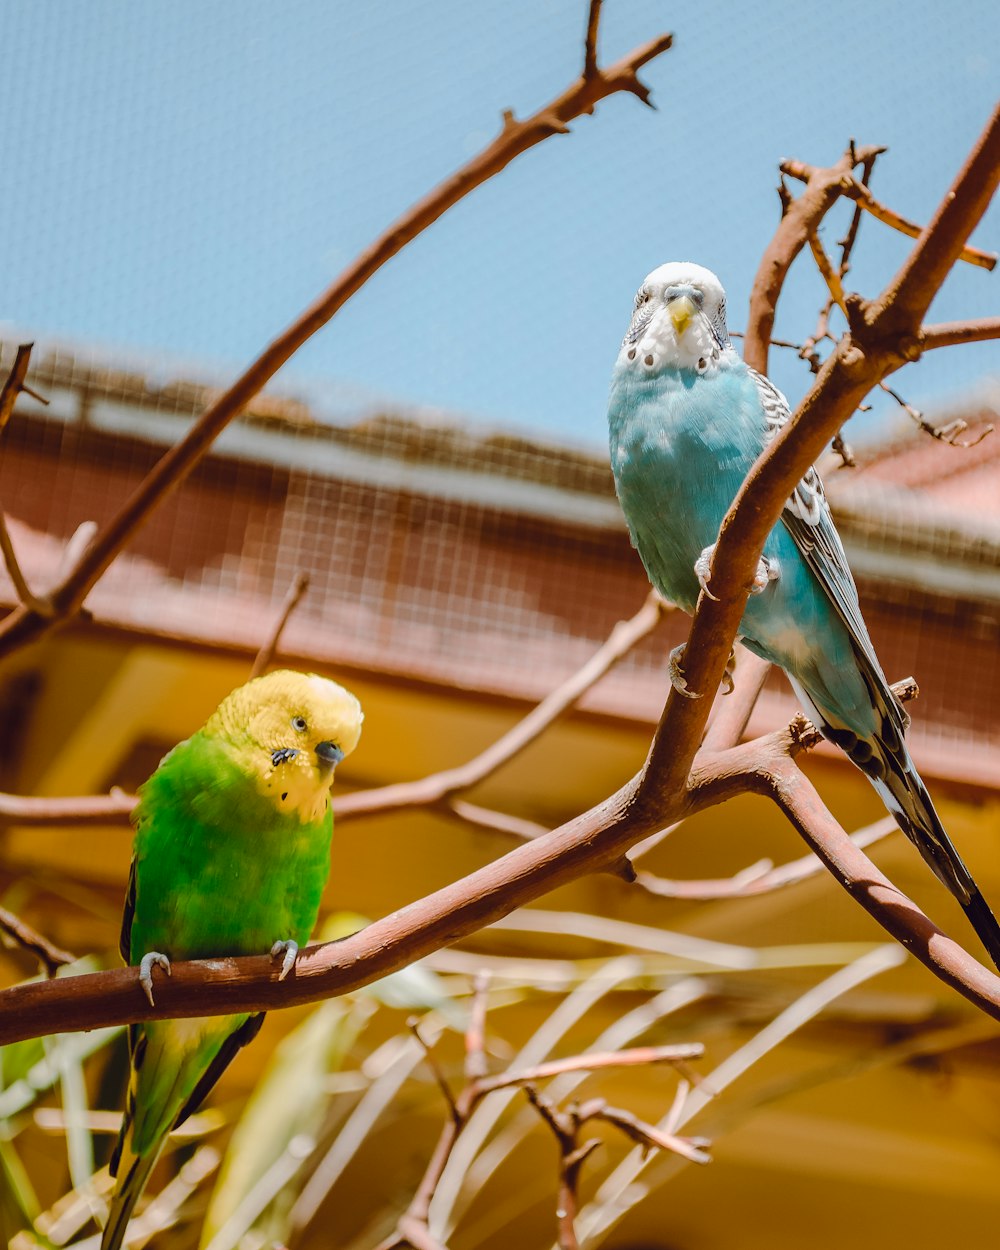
x,y
886,762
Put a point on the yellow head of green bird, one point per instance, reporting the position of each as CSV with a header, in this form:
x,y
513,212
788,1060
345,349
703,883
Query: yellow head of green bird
x,y
289,731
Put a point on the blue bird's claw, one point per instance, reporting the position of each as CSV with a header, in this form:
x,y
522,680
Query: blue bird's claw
x,y
728,684
702,570
150,960
767,571
288,952
676,674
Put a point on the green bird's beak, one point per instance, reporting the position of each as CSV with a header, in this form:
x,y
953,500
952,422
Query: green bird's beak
x,y
329,756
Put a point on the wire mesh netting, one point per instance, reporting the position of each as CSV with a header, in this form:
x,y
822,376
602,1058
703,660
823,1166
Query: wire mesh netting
x,y
480,559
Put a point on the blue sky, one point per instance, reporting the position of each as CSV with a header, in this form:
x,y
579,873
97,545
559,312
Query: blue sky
x,y
183,177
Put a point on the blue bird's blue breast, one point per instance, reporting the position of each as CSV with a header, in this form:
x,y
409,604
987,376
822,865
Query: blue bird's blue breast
x,y
680,448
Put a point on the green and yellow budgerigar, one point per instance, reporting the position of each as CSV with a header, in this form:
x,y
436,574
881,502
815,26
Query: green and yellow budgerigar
x,y
232,851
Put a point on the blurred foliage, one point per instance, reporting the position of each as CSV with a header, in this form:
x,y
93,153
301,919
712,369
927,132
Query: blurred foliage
x,y
339,1127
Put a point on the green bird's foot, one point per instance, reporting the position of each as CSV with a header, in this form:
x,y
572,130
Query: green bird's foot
x,y
288,952
150,960
676,674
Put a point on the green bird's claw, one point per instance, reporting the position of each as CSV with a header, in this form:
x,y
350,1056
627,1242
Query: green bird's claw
x,y
146,965
288,953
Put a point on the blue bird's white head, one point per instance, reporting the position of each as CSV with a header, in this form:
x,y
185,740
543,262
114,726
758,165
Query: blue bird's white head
x,y
679,321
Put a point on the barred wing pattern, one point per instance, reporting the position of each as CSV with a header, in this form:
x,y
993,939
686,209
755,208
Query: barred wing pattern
x,y
808,520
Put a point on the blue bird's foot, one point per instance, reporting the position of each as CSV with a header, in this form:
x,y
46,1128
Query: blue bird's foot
x,y
728,684
287,952
676,674
767,571
702,570
150,960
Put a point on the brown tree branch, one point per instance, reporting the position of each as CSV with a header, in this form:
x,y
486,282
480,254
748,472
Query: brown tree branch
x,y
903,305
951,333
823,188
733,716
412,1228
438,787
590,43
882,336
24,625
566,1124
647,1135
81,811
761,878
572,1155
896,913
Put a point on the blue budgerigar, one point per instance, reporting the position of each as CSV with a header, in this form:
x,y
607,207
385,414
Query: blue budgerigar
x,y
687,419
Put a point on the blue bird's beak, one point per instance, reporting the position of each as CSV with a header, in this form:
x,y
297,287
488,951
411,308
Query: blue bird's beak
x,y
682,310
329,756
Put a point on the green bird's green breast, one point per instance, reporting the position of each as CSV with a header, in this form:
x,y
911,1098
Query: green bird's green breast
x,y
219,870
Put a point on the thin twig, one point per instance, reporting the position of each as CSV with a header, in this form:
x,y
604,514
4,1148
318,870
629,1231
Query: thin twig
x,y
500,822
440,786
413,1024
830,276
293,598
12,387
857,190
760,878
24,593
590,43
610,1203
948,433
475,1034
51,957
637,1056
652,1137
14,383
572,1156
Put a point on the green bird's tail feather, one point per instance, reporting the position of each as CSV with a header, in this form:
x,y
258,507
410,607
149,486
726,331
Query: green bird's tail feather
x,y
133,1172
174,1063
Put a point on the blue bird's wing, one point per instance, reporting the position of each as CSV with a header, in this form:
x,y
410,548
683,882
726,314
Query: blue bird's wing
x,y
882,756
807,519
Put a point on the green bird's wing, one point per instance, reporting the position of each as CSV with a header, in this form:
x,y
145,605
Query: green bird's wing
x,y
226,1053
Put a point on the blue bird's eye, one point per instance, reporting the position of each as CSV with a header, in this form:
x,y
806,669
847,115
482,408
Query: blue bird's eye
x,y
299,724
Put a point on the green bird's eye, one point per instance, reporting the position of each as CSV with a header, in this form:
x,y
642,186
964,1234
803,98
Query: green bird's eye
x,y
299,724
